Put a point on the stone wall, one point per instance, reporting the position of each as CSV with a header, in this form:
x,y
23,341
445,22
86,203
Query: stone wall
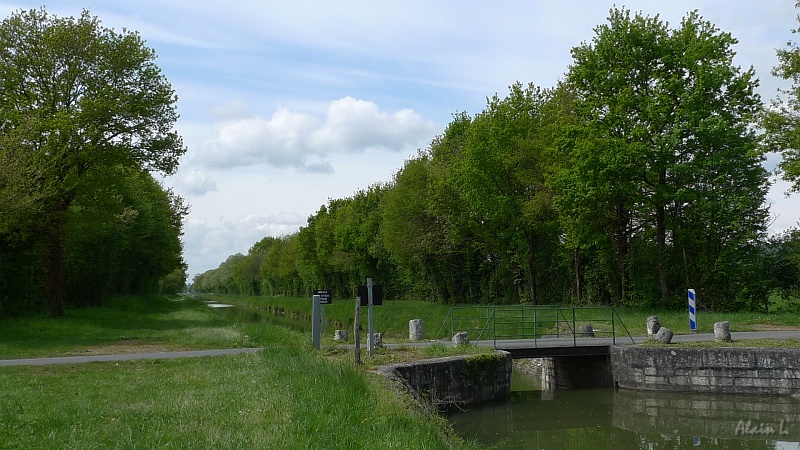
x,y
760,371
455,380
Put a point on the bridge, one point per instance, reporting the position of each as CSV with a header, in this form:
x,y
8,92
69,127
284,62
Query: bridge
x,y
528,331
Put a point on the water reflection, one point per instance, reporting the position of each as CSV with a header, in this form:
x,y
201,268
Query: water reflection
x,y
256,314
609,419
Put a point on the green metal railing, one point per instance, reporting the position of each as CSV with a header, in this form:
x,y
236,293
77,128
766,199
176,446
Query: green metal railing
x,y
532,322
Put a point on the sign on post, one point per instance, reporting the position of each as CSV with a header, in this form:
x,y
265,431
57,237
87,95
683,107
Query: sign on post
x,y
692,311
377,295
324,296
369,296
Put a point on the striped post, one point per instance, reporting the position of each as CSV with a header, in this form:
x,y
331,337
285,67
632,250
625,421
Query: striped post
x,y
692,311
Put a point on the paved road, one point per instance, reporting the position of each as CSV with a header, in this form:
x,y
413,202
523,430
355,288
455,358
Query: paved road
x,y
518,343
123,357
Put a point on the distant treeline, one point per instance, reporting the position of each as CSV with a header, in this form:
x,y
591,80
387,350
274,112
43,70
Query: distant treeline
x,y
640,175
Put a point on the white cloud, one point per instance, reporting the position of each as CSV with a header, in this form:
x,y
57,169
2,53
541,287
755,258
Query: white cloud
x,y
194,182
208,244
302,141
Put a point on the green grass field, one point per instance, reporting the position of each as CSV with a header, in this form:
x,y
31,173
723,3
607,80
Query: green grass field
x,y
392,317
287,396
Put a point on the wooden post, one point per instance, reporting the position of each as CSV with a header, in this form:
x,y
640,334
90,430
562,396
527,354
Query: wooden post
x,y
356,326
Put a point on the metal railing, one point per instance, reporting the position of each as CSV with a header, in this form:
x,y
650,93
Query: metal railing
x,y
533,322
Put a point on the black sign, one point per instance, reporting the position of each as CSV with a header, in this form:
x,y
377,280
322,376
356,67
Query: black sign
x,y
324,296
377,295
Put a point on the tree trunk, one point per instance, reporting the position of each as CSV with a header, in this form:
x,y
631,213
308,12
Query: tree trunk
x,y
54,236
578,262
532,269
661,240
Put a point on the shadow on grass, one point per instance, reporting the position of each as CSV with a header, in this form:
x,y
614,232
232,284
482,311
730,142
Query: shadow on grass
x,y
149,319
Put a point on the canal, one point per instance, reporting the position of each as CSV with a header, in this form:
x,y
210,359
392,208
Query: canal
x,y
620,419
606,418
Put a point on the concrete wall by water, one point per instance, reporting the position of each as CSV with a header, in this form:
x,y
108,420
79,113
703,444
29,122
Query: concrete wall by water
x,y
456,380
760,371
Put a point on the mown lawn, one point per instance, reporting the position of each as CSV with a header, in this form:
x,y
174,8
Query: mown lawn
x,y
287,396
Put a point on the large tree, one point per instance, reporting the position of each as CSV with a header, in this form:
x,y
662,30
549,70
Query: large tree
x,y
666,162
783,121
77,100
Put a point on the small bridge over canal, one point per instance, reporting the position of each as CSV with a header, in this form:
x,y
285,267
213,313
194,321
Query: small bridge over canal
x,y
527,331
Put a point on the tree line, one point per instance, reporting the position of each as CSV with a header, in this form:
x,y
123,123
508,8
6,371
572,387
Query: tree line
x,y
85,117
638,176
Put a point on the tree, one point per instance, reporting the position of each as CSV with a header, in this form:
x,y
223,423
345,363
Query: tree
x,y
666,165
783,121
77,100
502,181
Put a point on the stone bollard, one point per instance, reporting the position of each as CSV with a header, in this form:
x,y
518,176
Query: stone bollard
x,y
664,335
722,331
415,330
653,325
586,330
460,339
340,335
378,340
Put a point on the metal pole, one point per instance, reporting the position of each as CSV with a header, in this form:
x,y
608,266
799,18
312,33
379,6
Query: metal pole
x,y
371,336
315,321
322,318
356,326
574,342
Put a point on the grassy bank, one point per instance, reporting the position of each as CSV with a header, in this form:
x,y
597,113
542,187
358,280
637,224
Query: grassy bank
x,y
128,324
392,317
287,396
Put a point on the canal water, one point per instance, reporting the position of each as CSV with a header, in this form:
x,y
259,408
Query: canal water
x,y
256,314
619,419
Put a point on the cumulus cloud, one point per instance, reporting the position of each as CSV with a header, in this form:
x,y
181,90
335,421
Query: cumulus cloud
x,y
194,182
303,141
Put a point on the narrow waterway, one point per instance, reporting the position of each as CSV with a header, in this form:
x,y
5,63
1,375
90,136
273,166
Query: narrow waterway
x,y
619,419
255,314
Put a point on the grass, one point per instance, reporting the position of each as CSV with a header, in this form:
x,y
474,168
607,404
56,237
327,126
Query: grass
x,y
287,396
392,317
124,325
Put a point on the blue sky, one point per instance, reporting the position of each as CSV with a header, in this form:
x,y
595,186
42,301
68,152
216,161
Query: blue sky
x,y
286,104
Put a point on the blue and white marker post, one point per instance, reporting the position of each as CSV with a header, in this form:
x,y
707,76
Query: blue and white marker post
x,y
692,311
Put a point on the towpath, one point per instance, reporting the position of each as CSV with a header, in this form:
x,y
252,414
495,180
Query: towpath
x,y
543,342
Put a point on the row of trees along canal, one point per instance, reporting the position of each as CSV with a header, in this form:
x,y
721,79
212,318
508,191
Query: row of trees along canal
x,y
85,116
638,176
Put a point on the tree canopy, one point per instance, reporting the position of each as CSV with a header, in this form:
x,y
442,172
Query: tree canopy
x,y
84,110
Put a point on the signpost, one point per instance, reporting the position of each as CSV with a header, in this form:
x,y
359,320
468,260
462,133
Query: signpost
x,y
321,298
370,295
692,311
315,320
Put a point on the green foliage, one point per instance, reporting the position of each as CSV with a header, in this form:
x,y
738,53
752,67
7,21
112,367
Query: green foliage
x,y
637,177
782,122
665,171
81,105
484,368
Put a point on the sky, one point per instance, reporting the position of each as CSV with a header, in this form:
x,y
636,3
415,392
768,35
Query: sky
x,y
285,105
